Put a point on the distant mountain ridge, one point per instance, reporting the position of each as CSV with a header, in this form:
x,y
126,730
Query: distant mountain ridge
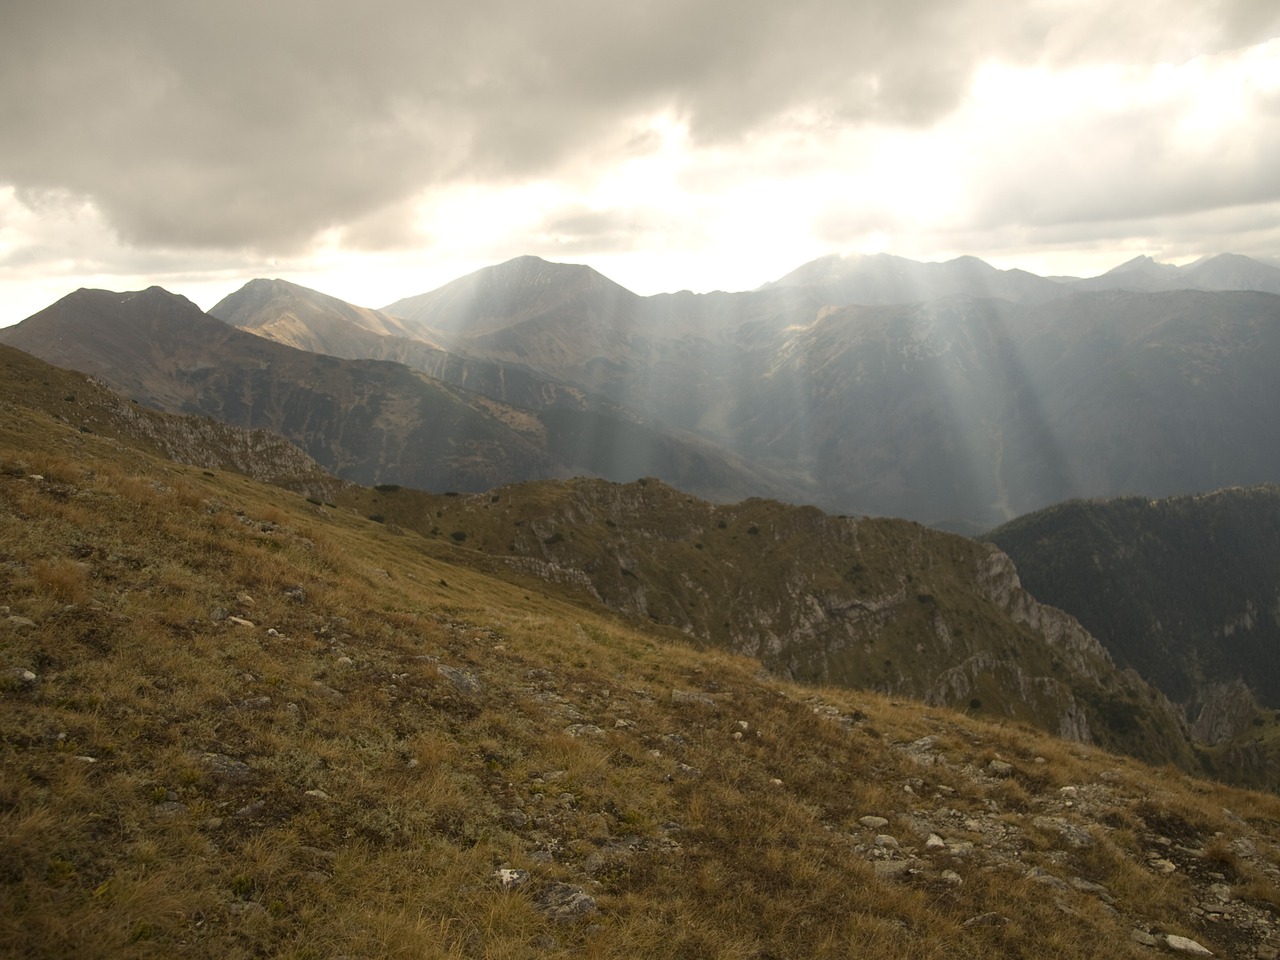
x,y
963,411
1227,271
365,420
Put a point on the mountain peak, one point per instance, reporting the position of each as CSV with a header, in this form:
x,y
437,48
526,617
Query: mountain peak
x,y
1143,264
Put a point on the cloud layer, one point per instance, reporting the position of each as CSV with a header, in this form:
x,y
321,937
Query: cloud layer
x,y
275,127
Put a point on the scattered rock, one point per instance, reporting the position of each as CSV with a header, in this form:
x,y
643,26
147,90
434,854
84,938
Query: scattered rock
x,y
999,768
1072,834
692,696
511,879
565,903
464,680
583,730
327,692
892,869
1142,937
1186,945
227,770
873,823
24,676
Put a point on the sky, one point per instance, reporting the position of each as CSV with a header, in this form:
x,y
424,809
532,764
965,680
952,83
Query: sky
x,y
378,150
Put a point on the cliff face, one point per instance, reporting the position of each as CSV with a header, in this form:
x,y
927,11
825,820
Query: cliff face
x,y
870,603
1183,590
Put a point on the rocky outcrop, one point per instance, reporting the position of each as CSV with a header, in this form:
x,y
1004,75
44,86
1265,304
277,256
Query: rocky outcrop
x,y
1226,710
870,603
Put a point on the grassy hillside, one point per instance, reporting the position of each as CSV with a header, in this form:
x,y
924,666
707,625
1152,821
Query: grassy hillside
x,y
238,722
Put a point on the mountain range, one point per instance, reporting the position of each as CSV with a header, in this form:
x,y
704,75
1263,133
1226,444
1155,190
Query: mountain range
x,y
1004,393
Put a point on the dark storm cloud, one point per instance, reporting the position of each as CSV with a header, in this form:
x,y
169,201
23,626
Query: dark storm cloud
x,y
258,124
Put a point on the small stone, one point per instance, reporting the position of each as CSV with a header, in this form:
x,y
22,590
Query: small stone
x,y
583,730
464,680
886,842
891,869
226,769
326,691
240,621
168,810
317,794
692,697
511,879
1142,937
873,823
999,768
1163,866
1068,793
951,878
1072,835
1186,945
24,676
935,842
565,903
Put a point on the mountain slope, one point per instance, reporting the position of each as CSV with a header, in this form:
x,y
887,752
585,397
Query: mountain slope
x,y
585,431
363,420
303,318
236,723
1186,590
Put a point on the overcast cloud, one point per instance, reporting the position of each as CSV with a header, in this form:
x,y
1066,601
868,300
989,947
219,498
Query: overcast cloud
x,y
376,150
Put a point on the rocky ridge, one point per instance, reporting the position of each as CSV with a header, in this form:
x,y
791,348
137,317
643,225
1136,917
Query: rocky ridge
x,y
860,602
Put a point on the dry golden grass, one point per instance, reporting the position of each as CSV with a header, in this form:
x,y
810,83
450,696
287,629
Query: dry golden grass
x,y
329,782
